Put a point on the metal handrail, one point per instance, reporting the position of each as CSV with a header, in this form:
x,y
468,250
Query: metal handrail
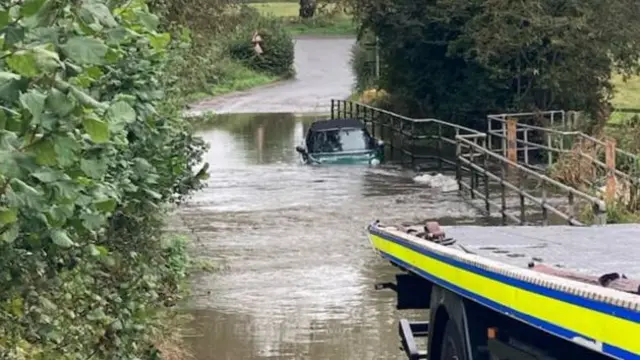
x,y
474,141
631,178
466,140
413,120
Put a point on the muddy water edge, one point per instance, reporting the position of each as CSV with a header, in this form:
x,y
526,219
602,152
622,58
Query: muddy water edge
x,y
297,271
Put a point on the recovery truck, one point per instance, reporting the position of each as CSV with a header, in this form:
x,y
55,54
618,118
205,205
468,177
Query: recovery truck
x,y
515,293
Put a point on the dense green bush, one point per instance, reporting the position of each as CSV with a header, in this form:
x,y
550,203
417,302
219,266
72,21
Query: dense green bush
x,y
87,166
277,44
362,62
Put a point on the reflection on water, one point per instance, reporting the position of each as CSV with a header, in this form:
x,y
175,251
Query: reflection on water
x,y
299,272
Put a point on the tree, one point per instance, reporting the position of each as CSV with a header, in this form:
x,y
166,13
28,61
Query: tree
x,y
307,8
460,59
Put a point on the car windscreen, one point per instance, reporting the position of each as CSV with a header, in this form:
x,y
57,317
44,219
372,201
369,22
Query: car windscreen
x,y
339,140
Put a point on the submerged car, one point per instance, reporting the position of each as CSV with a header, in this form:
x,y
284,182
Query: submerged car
x,y
340,141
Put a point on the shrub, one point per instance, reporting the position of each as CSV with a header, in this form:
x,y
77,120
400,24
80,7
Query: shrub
x,y
277,45
87,166
362,62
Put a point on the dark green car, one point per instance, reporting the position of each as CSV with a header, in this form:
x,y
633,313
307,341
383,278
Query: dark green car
x,y
340,141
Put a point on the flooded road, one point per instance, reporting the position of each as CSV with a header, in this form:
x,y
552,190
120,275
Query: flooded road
x,y
297,271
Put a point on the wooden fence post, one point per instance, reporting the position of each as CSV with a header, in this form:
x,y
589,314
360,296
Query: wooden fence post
x,y
512,144
610,160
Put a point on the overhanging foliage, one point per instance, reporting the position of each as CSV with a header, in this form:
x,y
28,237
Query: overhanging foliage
x,y
87,164
460,59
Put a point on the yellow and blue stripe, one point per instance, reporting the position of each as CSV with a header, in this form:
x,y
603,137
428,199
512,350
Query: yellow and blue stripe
x,y
559,313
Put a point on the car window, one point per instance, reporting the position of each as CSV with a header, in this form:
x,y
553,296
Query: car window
x,y
339,140
353,139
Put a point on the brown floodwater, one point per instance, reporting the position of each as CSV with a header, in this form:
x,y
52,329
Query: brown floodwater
x,y
297,273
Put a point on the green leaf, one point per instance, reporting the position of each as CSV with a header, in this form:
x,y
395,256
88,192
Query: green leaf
x,y
85,50
17,306
92,222
160,41
96,314
46,58
117,35
13,34
153,194
95,169
58,214
46,176
9,164
22,195
8,216
10,91
4,18
31,7
97,129
149,20
10,234
101,13
65,148
94,72
33,101
121,112
45,152
60,238
46,15
6,76
107,205
92,250
59,103
23,63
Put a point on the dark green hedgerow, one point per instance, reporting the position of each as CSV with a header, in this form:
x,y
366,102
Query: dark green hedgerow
x,y
277,44
87,166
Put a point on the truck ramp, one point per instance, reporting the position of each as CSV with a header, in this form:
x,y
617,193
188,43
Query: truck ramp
x,y
575,283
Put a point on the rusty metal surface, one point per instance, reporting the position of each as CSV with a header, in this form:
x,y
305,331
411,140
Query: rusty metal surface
x,y
593,251
613,280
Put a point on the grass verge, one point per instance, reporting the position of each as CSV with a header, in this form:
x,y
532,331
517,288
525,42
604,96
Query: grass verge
x,y
627,96
327,21
235,77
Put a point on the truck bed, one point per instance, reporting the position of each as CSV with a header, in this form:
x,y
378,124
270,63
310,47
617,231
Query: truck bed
x,y
544,276
592,250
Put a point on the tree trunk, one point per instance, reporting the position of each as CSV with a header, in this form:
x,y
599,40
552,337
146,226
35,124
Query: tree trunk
x,y
307,8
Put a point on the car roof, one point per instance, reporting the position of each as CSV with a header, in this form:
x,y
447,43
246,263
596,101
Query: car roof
x,y
330,124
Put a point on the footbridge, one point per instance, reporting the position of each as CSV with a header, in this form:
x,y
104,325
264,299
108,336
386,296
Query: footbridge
x,y
529,168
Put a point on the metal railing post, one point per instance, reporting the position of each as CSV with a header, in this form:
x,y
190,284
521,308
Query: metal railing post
x,y
332,109
439,145
459,164
549,152
472,169
485,167
545,215
413,144
526,146
373,121
503,193
521,180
